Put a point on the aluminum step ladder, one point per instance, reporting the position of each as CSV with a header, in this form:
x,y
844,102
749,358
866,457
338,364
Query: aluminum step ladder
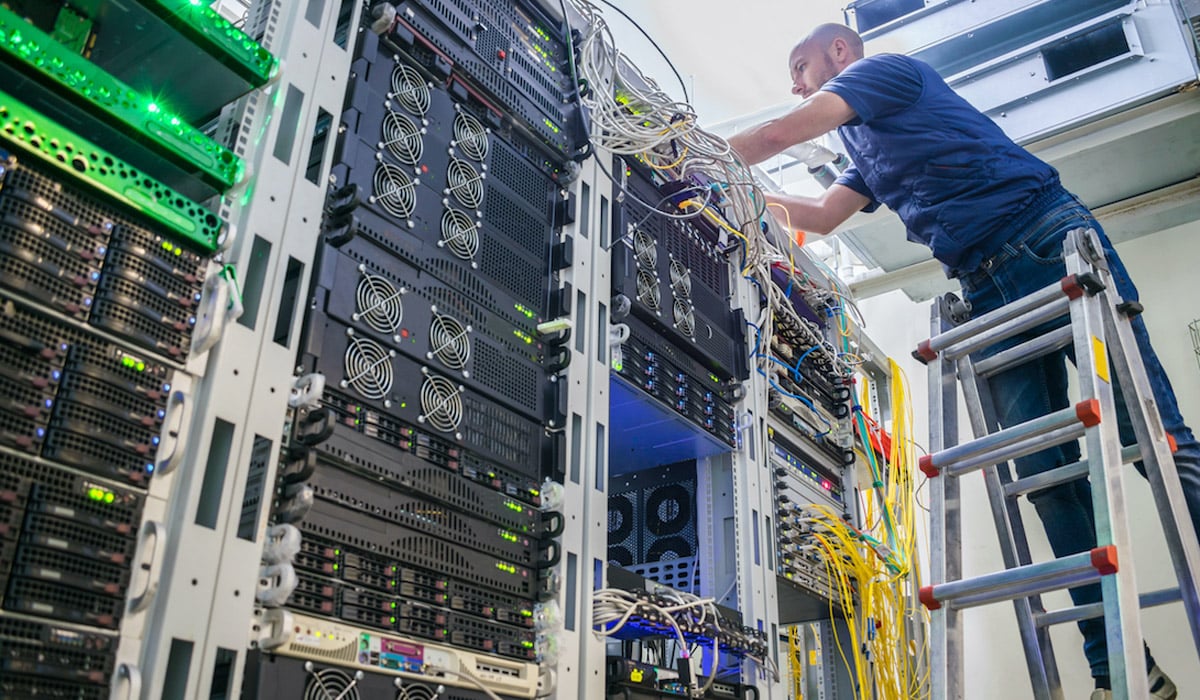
x,y
1099,329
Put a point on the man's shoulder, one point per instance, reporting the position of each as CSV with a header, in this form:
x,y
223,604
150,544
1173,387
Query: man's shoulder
x,y
887,61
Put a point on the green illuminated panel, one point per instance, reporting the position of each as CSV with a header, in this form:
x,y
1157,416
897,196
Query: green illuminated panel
x,y
82,161
206,28
120,105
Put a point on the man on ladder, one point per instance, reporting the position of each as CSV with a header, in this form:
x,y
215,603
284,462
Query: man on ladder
x,y
995,216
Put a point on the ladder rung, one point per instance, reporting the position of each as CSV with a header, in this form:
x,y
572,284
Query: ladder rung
x,y
1061,475
1028,446
1085,412
1069,287
1023,581
1055,309
1056,339
1087,612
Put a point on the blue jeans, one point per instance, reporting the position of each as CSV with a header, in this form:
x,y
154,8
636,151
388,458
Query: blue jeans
x,y
1031,260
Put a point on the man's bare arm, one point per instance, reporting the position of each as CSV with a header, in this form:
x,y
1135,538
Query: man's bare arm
x,y
822,112
818,215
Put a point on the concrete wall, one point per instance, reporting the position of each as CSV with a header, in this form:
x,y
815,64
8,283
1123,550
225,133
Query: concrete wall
x,y
1163,265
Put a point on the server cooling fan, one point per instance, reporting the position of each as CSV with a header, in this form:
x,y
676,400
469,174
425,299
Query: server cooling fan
x,y
410,89
647,290
395,191
379,304
331,684
465,183
402,138
449,341
460,234
441,404
419,692
685,319
645,249
470,136
368,367
681,280
668,517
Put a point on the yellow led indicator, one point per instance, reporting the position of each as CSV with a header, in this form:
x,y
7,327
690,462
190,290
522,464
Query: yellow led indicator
x,y
636,675
1100,352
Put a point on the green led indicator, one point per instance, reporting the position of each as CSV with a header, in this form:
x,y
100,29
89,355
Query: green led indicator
x,y
617,365
336,567
714,378
526,613
514,506
109,497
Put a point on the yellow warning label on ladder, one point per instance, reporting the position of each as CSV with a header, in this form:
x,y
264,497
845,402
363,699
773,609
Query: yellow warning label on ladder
x,y
1100,354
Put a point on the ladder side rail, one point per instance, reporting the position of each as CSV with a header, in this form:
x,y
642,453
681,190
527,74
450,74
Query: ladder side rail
x,y
1127,663
1160,466
945,532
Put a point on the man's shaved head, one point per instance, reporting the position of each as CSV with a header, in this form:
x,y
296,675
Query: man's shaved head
x,y
824,53
822,37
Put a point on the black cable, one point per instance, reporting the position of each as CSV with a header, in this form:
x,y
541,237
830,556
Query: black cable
x,y
686,98
585,126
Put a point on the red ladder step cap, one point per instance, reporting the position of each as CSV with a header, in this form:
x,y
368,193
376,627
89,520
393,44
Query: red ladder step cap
x,y
925,463
1088,412
925,352
1104,559
1172,444
926,597
1071,287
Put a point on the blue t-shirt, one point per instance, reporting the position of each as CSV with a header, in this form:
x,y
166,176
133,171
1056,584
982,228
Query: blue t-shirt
x,y
950,173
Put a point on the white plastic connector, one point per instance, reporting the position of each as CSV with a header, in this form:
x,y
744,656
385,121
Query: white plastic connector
x,y
283,543
552,495
555,325
275,584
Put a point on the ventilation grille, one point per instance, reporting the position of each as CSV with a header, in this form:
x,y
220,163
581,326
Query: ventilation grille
x,y
460,234
645,250
685,320
394,191
470,136
465,183
647,290
516,223
409,89
681,280
402,138
449,341
368,368
330,684
378,303
441,404
522,177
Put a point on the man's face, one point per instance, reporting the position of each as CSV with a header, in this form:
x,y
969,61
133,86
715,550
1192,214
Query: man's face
x,y
811,68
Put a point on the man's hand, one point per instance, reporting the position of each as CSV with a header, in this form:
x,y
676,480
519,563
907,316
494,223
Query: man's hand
x,y
822,112
818,215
